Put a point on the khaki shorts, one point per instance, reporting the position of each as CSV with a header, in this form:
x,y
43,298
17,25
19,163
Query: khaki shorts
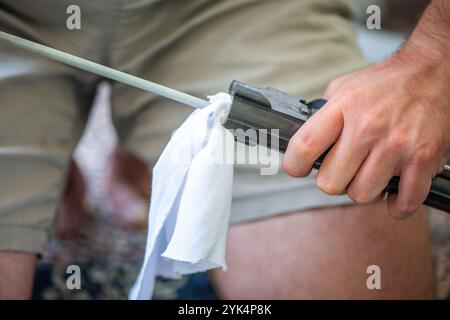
x,y
196,46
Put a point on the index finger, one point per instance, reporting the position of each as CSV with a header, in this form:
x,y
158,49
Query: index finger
x,y
312,139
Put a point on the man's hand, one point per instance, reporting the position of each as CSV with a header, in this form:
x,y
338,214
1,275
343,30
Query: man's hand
x,y
392,119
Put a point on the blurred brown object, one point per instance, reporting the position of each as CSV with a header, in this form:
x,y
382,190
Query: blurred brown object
x,y
402,15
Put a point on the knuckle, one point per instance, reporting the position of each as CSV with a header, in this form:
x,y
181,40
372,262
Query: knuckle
x,y
396,141
302,142
369,130
327,186
371,126
299,154
405,209
358,196
424,154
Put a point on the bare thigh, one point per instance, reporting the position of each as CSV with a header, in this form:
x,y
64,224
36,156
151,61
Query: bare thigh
x,y
324,254
19,268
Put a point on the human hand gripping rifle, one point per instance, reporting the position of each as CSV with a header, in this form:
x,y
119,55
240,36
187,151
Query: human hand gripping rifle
x,y
252,108
268,108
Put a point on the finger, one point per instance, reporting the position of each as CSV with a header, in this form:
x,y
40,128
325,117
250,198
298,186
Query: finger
x,y
414,186
341,164
373,177
312,139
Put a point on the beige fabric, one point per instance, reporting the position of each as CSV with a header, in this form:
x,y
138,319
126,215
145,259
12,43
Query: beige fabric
x,y
196,46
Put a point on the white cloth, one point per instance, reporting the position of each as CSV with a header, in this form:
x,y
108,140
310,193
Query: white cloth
x,y
191,199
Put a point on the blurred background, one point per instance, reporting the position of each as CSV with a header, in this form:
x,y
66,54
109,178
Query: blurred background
x,y
109,254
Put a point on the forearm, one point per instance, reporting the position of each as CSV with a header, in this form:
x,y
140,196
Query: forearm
x,y
430,40
392,119
430,44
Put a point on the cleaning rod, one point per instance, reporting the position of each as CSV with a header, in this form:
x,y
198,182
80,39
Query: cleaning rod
x,y
104,71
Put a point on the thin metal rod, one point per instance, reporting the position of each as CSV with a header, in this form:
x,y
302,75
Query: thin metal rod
x,y
103,70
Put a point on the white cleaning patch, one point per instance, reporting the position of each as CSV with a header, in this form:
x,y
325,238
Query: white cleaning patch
x,y
191,199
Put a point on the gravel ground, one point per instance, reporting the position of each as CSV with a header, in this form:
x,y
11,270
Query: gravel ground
x,y
109,256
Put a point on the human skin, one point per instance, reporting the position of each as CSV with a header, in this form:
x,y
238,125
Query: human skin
x,y
324,254
19,267
391,119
